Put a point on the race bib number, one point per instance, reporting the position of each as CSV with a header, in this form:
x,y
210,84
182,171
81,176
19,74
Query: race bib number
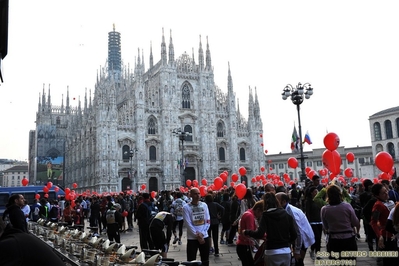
x,y
198,216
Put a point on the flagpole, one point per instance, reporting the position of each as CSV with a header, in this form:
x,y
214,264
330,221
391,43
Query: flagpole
x,y
298,94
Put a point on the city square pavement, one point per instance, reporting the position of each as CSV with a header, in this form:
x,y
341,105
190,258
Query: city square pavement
x,y
228,255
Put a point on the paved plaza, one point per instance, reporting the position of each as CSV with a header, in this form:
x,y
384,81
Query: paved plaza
x,y
228,255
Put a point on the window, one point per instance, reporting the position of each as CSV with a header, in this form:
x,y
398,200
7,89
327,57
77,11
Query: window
x,y
397,126
377,131
125,153
222,156
220,130
186,97
188,129
391,150
319,163
153,153
151,126
388,129
271,166
280,166
309,164
242,154
58,120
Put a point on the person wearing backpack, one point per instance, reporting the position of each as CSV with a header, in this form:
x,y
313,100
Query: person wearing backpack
x,y
44,209
54,214
34,210
114,220
143,220
177,211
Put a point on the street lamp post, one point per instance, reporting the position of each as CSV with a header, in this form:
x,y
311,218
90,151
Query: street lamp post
x,y
133,178
182,137
298,94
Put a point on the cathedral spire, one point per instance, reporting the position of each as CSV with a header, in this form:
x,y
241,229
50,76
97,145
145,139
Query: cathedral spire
x,y
151,57
200,55
138,58
163,50
85,106
142,60
229,80
44,97
208,56
39,107
67,108
49,99
250,104
193,59
62,103
171,50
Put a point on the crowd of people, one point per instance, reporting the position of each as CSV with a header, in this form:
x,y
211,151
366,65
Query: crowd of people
x,y
273,225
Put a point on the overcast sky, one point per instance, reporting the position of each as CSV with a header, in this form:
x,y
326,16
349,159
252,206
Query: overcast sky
x,y
347,50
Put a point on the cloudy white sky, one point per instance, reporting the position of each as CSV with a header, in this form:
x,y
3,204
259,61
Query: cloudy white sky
x,y
347,50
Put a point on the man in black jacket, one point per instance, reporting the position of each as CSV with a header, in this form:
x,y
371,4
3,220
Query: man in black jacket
x,y
114,222
143,220
13,215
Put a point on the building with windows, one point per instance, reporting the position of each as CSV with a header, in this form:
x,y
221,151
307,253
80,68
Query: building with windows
x,y
125,133
384,131
12,177
362,166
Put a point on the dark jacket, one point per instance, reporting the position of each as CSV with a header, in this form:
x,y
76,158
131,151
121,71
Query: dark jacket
x,y
19,248
215,209
278,226
227,212
16,217
144,213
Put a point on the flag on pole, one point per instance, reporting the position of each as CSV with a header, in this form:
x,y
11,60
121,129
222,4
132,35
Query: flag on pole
x,y
294,141
307,139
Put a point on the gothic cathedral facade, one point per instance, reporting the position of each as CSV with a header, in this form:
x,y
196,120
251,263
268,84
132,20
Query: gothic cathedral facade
x,y
150,128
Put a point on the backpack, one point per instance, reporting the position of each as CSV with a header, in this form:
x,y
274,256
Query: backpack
x,y
152,211
54,213
178,208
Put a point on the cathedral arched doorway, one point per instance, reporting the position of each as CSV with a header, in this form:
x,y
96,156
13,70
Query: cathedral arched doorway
x,y
244,178
126,184
153,184
189,173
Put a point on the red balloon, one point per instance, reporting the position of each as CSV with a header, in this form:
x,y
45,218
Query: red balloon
x,y
232,184
242,171
124,213
195,183
261,135
266,151
241,190
348,172
74,185
223,176
253,180
56,189
384,161
153,194
202,190
311,173
332,161
262,168
280,183
234,177
292,162
45,189
143,186
46,195
188,182
307,169
37,196
218,182
350,157
49,184
25,181
204,182
67,190
331,141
